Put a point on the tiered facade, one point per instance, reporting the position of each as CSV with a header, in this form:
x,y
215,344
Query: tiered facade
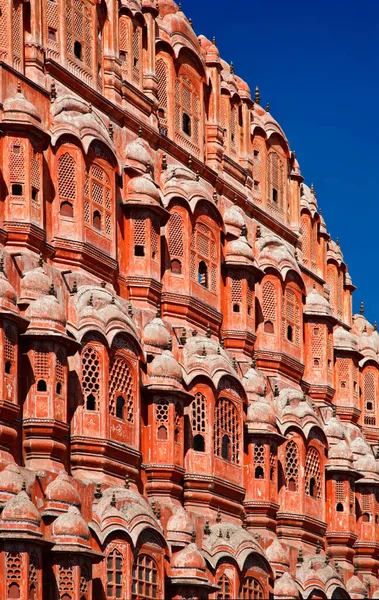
x,y
188,408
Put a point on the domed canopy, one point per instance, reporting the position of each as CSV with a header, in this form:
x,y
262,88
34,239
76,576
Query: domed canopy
x,y
46,314
285,586
188,558
234,220
344,340
239,251
276,553
180,527
166,367
355,586
61,492
18,108
142,190
341,451
156,334
254,382
334,428
33,284
317,304
260,413
21,509
11,481
71,524
8,297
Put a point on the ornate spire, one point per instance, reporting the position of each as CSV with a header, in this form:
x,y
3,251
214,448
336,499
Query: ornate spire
x,y
209,331
218,516
113,501
232,68
206,529
257,97
267,107
362,309
98,493
158,314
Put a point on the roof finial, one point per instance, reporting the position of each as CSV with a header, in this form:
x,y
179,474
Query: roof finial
x,y
2,263
312,188
52,290
218,516
276,390
318,547
334,411
204,352
300,558
209,331
164,162
214,41
180,6
234,363
231,68
253,362
18,86
206,529
337,242
158,314
183,337
53,91
267,107
245,523
190,21
197,175
193,537
215,197
127,481
130,310
113,501
375,326
257,97
98,493
75,287
189,161
113,301
139,131
111,131
23,486
40,260
90,301
362,309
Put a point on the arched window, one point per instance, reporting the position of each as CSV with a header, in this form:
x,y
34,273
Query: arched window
x,y
339,507
14,591
124,25
137,55
91,378
121,390
187,110
259,461
10,337
305,238
115,583
227,431
204,257
79,41
292,466
251,589
17,164
313,474
269,307
175,242
291,317
369,398
66,184
145,578
198,418
17,33
98,200
162,74
275,181
14,573
225,592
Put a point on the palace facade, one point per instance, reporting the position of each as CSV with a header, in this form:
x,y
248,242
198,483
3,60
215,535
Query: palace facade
x,y
188,407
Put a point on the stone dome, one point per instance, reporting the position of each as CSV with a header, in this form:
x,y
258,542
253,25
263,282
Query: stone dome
x,y
317,304
8,297
355,586
137,152
254,381
156,334
239,249
233,218
11,481
188,558
366,463
180,522
46,312
286,586
21,509
34,284
341,451
344,340
71,524
359,446
61,490
261,412
165,366
334,429
276,553
18,108
142,188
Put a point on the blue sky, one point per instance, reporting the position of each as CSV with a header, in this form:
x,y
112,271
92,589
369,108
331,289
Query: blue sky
x,y
317,63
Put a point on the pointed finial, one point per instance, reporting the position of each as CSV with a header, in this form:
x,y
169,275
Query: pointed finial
x,y
312,189
267,107
75,287
130,311
304,396
220,534
158,510
257,97
98,493
214,41
52,290
375,326
253,362
2,263
23,486
334,411
189,162
139,131
40,260
355,570
90,301
209,331
318,547
113,501
327,558
206,529
234,363
169,345
90,107
227,534
362,309
193,537
158,314
113,301
243,232
258,232
194,332
19,87
164,162
219,350
231,68
300,558
276,390
244,524
53,91
180,6
183,337
190,21
218,516
127,482
222,343
203,352
103,284
197,175
215,197
337,242
111,131
365,329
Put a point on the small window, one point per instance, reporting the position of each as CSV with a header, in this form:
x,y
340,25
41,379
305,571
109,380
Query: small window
x,y
176,267
199,443
316,362
236,308
176,435
256,154
8,366
269,327
339,507
58,388
90,404
272,474
292,485
312,487
16,149
202,274
96,220
186,124
135,62
275,195
225,447
369,406
343,384
161,113
290,333
122,56
162,433
78,50
13,591
256,186
41,385
67,209
366,518
120,403
52,34
17,189
34,194
139,250
259,473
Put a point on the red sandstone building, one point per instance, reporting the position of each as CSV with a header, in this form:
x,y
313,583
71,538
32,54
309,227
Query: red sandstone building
x,y
187,405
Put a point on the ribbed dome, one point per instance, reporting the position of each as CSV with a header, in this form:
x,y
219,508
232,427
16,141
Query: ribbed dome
x,y
276,553
341,451
156,334
188,558
11,480
334,429
180,522
355,586
71,524
345,340
165,366
20,508
285,586
18,108
34,283
7,294
137,152
62,490
261,412
317,304
46,312
254,381
142,188
239,249
233,218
